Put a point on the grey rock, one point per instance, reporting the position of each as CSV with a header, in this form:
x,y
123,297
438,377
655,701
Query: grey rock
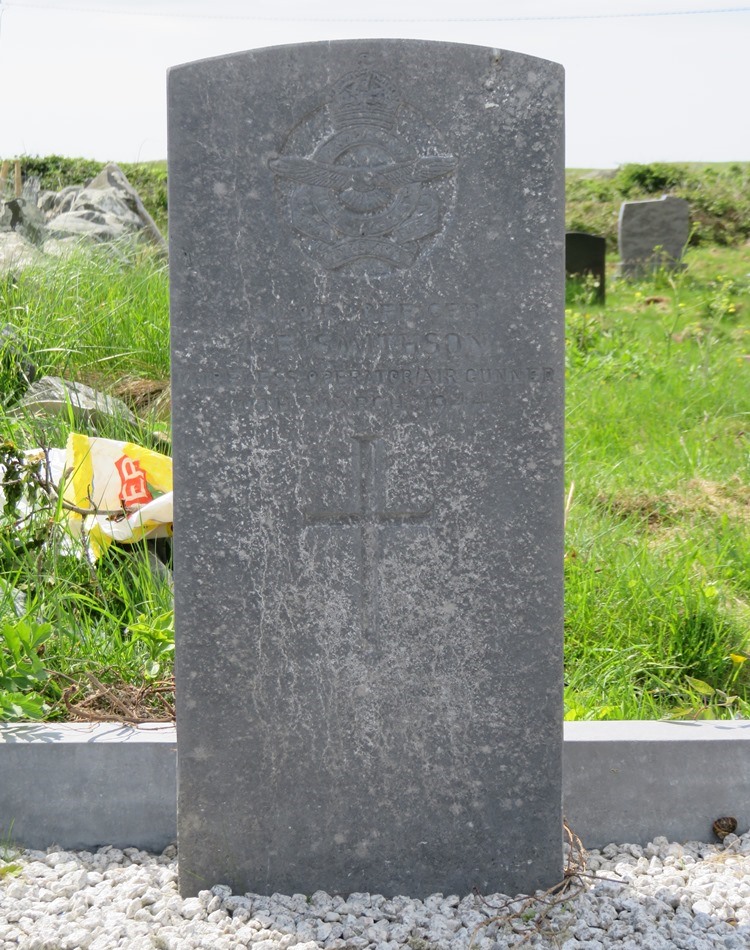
x,y
652,235
22,216
12,599
17,252
367,351
53,203
53,396
107,209
91,224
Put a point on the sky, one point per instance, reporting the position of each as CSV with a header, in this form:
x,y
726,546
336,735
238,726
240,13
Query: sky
x,y
646,80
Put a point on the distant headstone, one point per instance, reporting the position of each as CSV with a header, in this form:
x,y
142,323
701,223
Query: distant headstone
x,y
585,256
367,295
652,235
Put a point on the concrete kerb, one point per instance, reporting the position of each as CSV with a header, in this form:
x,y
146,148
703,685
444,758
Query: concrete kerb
x,y
81,785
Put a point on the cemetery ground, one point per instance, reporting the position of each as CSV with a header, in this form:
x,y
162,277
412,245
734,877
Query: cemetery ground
x,y
658,493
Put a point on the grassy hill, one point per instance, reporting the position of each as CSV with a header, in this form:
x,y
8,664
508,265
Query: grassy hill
x,y
719,197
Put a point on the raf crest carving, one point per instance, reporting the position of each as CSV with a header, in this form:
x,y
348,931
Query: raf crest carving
x,y
365,177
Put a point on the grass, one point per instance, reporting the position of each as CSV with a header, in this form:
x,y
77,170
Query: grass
x,y
93,639
657,543
657,619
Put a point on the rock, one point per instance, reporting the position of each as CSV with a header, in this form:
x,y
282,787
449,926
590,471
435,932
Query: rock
x,y
22,216
52,203
52,396
17,252
92,224
107,209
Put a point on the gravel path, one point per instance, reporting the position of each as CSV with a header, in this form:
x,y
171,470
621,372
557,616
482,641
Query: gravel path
x,y
690,897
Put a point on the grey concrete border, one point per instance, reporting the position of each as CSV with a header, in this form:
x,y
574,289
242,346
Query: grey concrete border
x,y
632,781
80,785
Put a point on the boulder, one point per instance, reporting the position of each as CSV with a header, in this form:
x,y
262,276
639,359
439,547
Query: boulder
x,y
22,216
107,209
90,223
52,203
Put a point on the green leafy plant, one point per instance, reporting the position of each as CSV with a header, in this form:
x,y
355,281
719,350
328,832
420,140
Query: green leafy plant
x,y
155,632
21,669
703,701
651,179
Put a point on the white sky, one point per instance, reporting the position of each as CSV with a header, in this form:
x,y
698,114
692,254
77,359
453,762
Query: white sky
x,y
87,77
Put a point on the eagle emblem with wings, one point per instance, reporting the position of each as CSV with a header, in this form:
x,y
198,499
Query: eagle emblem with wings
x,y
376,188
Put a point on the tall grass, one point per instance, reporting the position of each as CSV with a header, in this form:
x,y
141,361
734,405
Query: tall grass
x,y
95,637
95,315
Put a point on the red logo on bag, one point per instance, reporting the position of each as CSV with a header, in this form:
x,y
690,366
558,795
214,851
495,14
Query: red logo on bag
x,y
134,489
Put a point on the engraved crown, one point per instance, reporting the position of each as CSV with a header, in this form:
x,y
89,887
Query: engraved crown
x,y
365,98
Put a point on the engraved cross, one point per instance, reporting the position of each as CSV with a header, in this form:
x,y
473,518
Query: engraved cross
x,y
368,514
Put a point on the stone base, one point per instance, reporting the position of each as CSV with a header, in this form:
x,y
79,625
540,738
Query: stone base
x,y
80,786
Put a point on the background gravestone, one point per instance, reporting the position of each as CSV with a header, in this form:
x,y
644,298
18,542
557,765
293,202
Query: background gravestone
x,y
585,255
652,234
368,288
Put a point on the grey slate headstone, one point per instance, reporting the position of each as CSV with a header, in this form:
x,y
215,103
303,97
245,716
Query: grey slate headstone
x,y
652,234
367,279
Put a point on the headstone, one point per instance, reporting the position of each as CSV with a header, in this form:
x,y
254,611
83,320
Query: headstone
x,y
368,288
652,234
585,256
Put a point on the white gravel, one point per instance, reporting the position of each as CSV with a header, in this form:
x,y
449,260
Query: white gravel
x,y
690,896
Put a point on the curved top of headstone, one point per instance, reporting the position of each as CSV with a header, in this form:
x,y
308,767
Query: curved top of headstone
x,y
337,48
363,158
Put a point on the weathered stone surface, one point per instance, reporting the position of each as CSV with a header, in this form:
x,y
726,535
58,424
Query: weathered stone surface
x,y
12,600
107,209
52,203
16,252
652,234
367,271
52,396
585,256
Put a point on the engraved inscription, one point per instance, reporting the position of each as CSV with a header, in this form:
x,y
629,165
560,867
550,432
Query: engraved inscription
x,y
367,514
370,191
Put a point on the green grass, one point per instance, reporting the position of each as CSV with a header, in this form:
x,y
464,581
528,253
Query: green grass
x,y
97,636
658,465
657,619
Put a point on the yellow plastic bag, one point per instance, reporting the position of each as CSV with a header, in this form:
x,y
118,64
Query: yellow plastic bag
x,y
119,491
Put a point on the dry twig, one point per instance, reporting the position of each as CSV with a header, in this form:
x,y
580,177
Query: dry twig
x,y
533,911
